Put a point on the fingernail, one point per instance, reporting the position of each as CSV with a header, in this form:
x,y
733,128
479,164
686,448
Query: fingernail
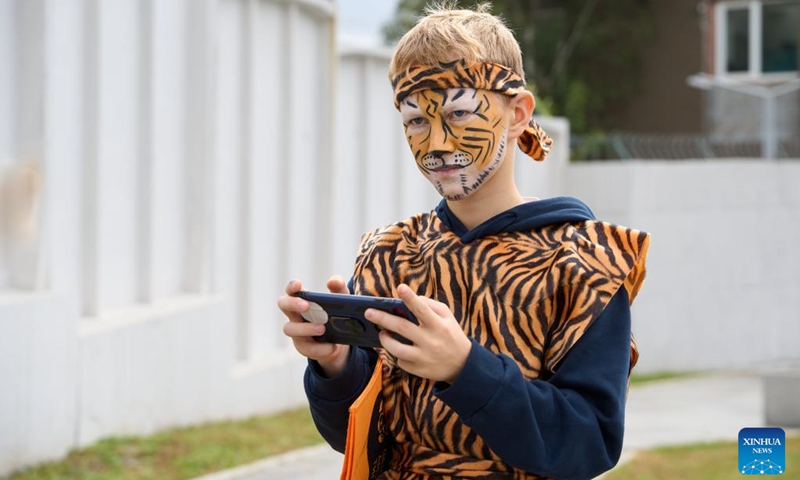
x,y
319,329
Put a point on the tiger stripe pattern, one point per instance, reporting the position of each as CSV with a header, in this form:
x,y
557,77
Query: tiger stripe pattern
x,y
530,295
534,142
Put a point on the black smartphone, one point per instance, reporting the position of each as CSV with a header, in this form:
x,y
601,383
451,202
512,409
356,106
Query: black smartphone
x,y
343,317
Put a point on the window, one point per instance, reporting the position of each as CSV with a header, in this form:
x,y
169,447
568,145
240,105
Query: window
x,y
738,23
780,37
758,38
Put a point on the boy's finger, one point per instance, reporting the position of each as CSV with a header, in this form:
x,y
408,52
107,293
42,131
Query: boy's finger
x,y
397,348
292,307
438,307
392,323
336,284
293,286
302,329
418,306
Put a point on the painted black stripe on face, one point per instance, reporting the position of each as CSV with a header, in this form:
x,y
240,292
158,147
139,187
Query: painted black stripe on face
x,y
448,131
430,110
433,105
488,102
446,96
482,149
479,150
476,129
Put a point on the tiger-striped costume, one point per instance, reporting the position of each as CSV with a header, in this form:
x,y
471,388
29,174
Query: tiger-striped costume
x,y
530,295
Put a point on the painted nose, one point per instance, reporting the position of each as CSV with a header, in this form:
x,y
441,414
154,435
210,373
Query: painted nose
x,y
438,153
442,141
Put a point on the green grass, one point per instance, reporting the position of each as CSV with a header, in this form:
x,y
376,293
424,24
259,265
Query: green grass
x,y
638,379
707,461
182,453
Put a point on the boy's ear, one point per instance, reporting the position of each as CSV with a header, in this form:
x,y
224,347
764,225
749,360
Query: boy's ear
x,y
522,105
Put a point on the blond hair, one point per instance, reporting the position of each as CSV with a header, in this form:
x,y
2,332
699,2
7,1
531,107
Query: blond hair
x,y
444,34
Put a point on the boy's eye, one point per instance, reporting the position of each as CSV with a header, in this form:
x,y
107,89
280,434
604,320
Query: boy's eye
x,y
460,114
418,121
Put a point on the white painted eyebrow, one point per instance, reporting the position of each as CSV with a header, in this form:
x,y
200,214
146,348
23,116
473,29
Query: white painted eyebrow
x,y
467,101
410,103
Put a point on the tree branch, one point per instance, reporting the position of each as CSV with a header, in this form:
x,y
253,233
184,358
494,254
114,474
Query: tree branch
x,y
574,37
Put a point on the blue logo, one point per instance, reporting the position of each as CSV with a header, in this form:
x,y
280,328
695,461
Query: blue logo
x,y
762,451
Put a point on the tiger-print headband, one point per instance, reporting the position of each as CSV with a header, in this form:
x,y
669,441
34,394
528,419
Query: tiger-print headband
x,y
480,76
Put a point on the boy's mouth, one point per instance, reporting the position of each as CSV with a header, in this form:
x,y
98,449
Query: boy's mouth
x,y
447,168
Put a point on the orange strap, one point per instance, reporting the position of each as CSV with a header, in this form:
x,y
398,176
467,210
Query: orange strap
x,y
357,464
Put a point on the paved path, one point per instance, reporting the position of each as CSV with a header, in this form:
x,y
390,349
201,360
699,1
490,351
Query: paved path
x,y
669,412
314,463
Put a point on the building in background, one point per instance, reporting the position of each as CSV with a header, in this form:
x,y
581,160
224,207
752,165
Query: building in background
x,y
665,103
751,56
720,80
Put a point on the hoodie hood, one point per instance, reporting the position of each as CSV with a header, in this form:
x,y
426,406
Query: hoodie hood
x,y
528,216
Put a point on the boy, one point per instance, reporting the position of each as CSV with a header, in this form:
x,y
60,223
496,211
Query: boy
x,y
520,362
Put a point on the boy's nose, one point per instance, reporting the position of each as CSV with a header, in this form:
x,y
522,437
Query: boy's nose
x,y
438,153
441,141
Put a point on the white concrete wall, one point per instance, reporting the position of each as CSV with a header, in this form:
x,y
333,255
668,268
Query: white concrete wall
x,y
722,286
721,290
184,150
193,155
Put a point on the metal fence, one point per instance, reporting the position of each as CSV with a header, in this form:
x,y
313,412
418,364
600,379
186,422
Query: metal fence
x,y
654,146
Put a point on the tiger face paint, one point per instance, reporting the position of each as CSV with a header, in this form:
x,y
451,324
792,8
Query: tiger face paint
x,y
481,76
457,135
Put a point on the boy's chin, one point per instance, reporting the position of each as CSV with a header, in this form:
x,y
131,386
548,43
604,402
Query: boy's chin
x,y
454,191
451,195
450,191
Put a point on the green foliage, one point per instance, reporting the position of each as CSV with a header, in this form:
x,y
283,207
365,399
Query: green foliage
x,y
591,146
584,56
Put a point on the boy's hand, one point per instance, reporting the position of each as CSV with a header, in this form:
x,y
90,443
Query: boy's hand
x,y
440,347
331,357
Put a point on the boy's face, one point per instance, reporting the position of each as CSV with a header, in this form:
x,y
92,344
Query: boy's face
x,y
458,137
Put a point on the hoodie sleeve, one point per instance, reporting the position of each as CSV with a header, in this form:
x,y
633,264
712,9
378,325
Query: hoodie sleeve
x,y
569,426
330,398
